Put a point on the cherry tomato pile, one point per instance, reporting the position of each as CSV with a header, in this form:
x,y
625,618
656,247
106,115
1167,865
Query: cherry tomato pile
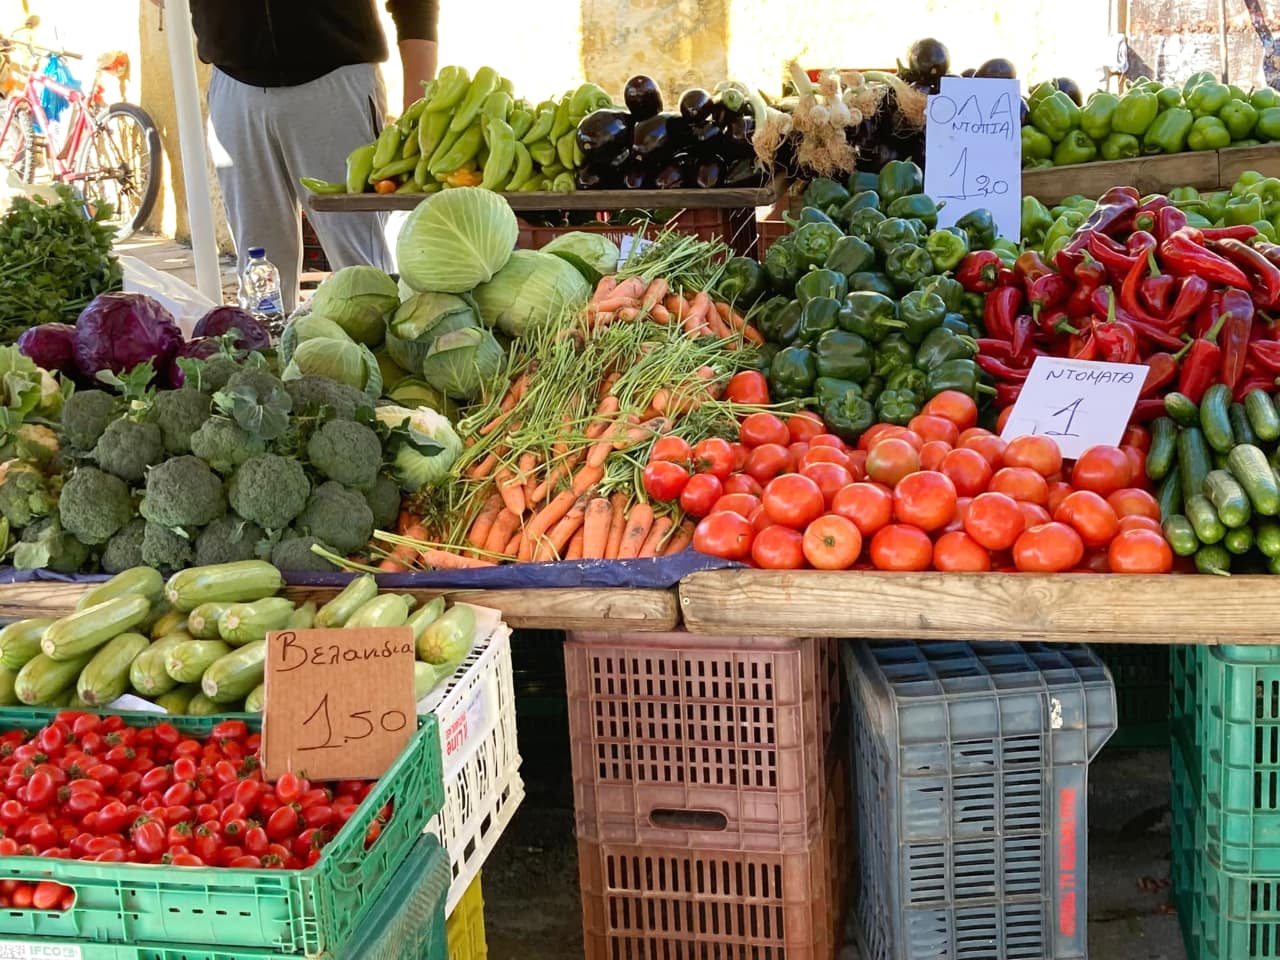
x,y
940,493
88,787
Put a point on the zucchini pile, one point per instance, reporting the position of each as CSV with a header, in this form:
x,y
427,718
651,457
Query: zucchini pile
x,y
1216,467
196,644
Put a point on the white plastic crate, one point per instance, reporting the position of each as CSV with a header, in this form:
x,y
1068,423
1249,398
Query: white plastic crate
x,y
476,711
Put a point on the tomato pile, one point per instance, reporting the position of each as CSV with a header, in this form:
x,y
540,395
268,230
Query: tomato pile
x,y
88,787
940,493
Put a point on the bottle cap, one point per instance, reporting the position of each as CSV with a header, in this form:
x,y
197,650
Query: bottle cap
x,y
256,253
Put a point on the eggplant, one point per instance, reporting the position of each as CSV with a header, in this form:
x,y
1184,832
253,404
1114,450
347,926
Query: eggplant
x,y
744,173
642,97
656,139
636,177
968,73
696,105
603,134
705,134
596,178
709,173
928,59
670,177
1070,88
738,136
1025,111
997,69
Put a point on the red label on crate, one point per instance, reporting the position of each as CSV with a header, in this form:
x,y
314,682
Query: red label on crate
x,y
1067,880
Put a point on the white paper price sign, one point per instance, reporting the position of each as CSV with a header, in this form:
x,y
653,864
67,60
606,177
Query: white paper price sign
x,y
1080,403
973,151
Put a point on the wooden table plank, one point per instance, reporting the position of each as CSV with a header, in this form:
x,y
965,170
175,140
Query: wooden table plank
x,y
936,606
1236,160
728,197
552,609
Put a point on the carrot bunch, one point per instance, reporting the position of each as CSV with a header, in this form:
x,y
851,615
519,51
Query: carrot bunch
x,y
696,312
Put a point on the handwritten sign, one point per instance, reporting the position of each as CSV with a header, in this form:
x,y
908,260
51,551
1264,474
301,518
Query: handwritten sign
x,y
339,703
1080,403
973,151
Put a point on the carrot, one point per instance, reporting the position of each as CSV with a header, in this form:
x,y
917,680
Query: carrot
x,y
443,560
504,525
701,303
405,520
660,314
586,478
615,303
607,385
601,449
617,525
677,306
641,432
629,314
604,288
603,319
527,463
574,551
752,335
513,545
553,544
661,400
683,537
632,287
718,327
639,523
524,553
551,514
388,565
654,295
595,529
510,490
479,532
403,555
482,469
657,534
600,420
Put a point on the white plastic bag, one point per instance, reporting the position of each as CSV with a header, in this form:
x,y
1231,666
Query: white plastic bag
x,y
185,302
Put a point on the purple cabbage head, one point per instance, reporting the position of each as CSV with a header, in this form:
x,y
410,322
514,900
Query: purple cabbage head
x,y
202,348
119,331
51,346
218,322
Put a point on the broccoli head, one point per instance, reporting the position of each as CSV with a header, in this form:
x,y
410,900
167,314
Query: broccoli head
x,y
127,447
269,490
179,414
45,545
224,444
85,415
215,372
183,492
94,505
347,452
337,516
164,548
260,381
124,550
384,500
294,554
311,393
226,540
25,495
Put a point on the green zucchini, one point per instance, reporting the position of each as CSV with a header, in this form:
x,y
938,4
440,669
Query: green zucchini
x,y
1181,535
203,620
136,581
1204,519
1214,559
202,706
1182,408
106,677
8,695
425,678
425,616
1241,428
85,630
176,700
239,582
1169,496
243,623
187,661
353,596
232,677
20,641
1249,465
304,617
169,622
147,673
449,639
1262,415
1266,536
1215,420
256,701
1164,445
1228,498
43,678
1239,541
387,610
1194,461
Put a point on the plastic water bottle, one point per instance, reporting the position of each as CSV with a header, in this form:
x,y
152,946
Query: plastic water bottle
x,y
260,291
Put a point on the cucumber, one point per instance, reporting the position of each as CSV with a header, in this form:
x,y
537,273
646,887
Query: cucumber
x,y
1228,498
232,677
449,639
1204,519
1214,559
425,616
187,661
353,596
147,673
1262,415
1249,466
238,582
202,622
1266,536
243,623
425,678
1239,541
387,610
1169,496
136,581
303,618
43,678
8,695
1164,445
85,630
20,641
169,622
1241,428
256,701
202,706
1181,535
107,675
176,700
1193,460
1182,408
1214,418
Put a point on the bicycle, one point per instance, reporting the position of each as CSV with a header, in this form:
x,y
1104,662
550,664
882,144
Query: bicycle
x,y
109,154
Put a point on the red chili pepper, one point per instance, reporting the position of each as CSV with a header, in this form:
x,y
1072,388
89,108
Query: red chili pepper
x,y
1168,222
1156,293
1023,326
1208,313
1083,346
1149,213
1111,255
1089,272
1265,274
1031,266
1001,371
1111,217
1201,365
1243,231
1162,370
1007,278
1050,290
1191,295
978,271
1184,255
1246,387
1001,307
1267,353
1237,308
1129,291
1147,409
1116,339
1055,323
1007,394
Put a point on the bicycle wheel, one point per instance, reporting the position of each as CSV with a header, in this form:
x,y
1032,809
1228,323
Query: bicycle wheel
x,y
17,151
121,166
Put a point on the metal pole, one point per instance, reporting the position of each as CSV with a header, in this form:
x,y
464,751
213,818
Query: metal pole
x,y
1222,41
195,165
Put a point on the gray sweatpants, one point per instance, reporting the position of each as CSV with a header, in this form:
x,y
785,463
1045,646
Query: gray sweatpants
x,y
263,139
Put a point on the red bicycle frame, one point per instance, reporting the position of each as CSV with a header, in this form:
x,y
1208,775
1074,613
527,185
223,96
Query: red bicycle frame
x,y
75,139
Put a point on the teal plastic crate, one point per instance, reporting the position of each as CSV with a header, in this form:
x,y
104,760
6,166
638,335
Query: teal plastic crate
x,y
1186,838
1185,666
293,912
1238,916
1140,673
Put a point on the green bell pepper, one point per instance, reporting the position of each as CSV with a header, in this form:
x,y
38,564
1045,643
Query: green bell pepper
x,y
1246,180
1195,80
826,389
1168,98
1208,98
1055,116
817,316
906,264
1077,201
899,178
907,378
848,416
1267,228
947,247
863,223
872,316
898,406
1208,133
1243,209
1215,204
872,389
1198,221
843,355
774,322
765,353
1168,134
892,232
962,375
1184,197
1264,97
1076,147
1095,118
826,195
892,354
782,265
862,180
972,306
949,289
1240,117
814,242
922,312
956,323
1039,92
871,281
1269,191
1135,112
943,344
1062,231
791,374
859,201
850,255
1120,146
1036,221
1035,145
980,226
1238,93
1038,164
743,282
917,206
821,283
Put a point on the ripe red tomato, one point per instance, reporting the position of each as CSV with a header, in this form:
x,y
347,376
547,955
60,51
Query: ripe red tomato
x,y
901,547
1137,458
858,464
1059,490
1038,453
957,552
714,456
742,483
285,822
868,505
875,432
955,406
821,454
925,499
1135,521
1131,501
1140,551
665,480
1102,469
804,426
933,453
968,470
994,520
747,387
892,459
832,542
740,503
760,520
148,838
672,449
761,428
957,519
828,440
966,435
724,535
740,454
1033,513
793,500
830,478
768,461
1136,435
1090,516
1003,419
931,427
1048,548
778,548
798,452
700,494
1021,483
990,446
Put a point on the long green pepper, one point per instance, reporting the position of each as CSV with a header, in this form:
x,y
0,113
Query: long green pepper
x,y
502,153
483,84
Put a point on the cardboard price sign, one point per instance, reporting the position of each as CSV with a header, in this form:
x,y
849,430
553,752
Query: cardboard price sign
x,y
339,703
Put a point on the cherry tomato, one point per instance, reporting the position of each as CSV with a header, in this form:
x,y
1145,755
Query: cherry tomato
x,y
778,548
713,456
925,499
761,428
765,463
1048,548
1038,453
740,503
832,542
892,459
989,445
671,449
793,500
931,427
804,426
1059,490
994,521
1132,501
827,440
1021,483
1140,551
743,483
255,841
1135,521
726,535
901,547
933,453
700,495
48,895
748,387
955,406
285,822
148,838
968,470
1102,469
868,505
1090,516
830,478
957,552
820,454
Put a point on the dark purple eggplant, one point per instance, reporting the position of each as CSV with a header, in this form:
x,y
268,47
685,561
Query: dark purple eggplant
x,y
596,178
997,69
603,134
670,177
642,97
636,177
1025,111
706,135
744,173
968,73
1070,88
696,105
709,174
656,139
738,138
928,59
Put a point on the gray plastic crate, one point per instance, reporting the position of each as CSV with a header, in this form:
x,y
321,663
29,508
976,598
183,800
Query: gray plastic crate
x,y
970,765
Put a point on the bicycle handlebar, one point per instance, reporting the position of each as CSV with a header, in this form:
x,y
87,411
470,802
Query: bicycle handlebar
x,y
35,48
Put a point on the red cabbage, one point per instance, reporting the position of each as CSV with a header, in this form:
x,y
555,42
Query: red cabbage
x,y
51,346
119,331
202,348
220,321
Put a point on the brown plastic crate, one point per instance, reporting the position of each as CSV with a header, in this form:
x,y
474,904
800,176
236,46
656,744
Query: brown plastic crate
x,y
686,741
768,233
736,227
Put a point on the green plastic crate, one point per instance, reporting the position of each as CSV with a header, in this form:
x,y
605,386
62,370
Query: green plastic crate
x,y
1186,838
1140,672
1185,666
275,911
1238,916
